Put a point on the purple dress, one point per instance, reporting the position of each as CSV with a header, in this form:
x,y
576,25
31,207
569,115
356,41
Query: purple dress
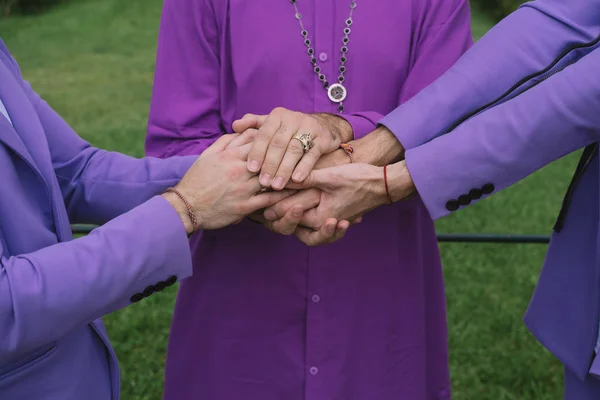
x,y
265,317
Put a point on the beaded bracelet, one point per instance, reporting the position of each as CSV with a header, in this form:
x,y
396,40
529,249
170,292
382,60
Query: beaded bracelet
x,y
189,208
348,149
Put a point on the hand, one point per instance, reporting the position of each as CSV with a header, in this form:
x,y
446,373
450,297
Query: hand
x,y
220,189
348,191
332,230
278,156
303,200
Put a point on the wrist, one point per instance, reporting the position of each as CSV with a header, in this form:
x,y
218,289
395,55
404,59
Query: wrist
x,y
337,125
181,210
380,147
399,182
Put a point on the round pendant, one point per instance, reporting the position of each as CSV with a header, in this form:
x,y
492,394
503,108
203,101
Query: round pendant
x,y
337,93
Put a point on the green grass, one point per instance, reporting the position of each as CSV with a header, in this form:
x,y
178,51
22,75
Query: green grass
x,y
93,61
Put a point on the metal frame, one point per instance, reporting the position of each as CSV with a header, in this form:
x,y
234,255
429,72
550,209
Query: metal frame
x,y
79,229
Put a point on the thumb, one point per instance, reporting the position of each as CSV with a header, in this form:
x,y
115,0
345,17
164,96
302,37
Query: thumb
x,y
248,121
316,179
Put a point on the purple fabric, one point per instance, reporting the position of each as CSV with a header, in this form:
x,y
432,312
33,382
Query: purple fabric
x,y
265,317
511,140
577,389
53,289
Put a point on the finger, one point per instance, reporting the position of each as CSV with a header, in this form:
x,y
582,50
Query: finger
x,y
318,178
307,164
313,218
313,238
288,224
356,220
241,152
340,231
277,148
266,199
248,121
291,158
221,143
261,143
306,199
257,217
243,138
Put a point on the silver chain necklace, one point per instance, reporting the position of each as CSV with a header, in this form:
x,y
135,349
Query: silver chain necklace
x,y
337,92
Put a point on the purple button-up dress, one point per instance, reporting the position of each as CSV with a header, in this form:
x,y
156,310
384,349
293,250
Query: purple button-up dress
x,y
265,317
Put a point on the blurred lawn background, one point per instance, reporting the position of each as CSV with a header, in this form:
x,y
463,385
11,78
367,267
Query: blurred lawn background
x,y
93,61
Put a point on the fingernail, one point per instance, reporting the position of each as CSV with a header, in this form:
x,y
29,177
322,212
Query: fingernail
x,y
253,166
297,176
278,183
265,179
297,212
270,215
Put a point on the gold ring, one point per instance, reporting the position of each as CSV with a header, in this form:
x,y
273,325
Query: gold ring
x,y
305,139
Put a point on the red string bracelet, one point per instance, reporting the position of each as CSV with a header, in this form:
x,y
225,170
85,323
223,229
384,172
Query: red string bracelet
x,y
189,208
387,190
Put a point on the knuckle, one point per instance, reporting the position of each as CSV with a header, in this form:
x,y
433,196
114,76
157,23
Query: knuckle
x,y
279,141
271,165
264,135
280,208
279,110
317,149
251,133
295,148
287,230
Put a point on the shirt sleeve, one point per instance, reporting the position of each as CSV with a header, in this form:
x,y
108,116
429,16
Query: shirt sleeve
x,y
185,116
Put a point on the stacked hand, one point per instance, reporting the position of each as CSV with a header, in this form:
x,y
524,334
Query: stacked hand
x,y
278,156
264,173
333,192
219,188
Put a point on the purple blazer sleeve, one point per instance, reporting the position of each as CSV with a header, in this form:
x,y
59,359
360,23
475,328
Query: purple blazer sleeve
x,y
46,293
185,115
506,143
442,35
525,42
98,185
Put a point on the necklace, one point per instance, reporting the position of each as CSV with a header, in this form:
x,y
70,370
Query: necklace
x,y
337,92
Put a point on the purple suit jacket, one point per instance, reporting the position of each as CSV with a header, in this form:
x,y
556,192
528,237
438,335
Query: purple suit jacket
x,y
53,289
526,94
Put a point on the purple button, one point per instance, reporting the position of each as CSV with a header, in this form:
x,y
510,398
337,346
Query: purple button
x,y
316,298
314,370
323,57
